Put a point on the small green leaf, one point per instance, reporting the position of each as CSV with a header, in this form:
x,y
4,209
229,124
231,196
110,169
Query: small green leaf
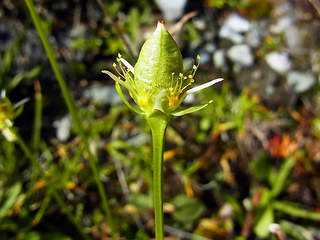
x,y
283,174
141,201
35,235
296,231
142,235
12,196
265,198
43,207
183,111
125,100
294,210
19,106
261,166
188,209
33,73
116,79
261,228
86,44
239,238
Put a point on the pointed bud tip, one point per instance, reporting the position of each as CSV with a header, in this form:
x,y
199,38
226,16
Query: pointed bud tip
x,y
160,25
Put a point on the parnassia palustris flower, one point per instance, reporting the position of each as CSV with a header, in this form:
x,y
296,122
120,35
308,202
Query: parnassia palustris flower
x,y
158,82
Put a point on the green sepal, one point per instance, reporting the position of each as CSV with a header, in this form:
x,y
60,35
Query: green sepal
x,y
121,82
19,106
117,79
183,111
118,88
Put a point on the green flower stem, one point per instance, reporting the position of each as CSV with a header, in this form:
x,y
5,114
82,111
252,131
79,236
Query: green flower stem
x,y
72,110
51,187
158,125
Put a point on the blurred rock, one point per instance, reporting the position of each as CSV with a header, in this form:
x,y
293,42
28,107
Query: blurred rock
x,y
283,8
219,59
139,139
286,17
253,37
199,23
300,81
226,211
282,24
103,95
233,28
241,55
8,33
31,52
205,56
315,61
279,62
68,37
172,10
63,127
208,35
210,47
237,23
293,37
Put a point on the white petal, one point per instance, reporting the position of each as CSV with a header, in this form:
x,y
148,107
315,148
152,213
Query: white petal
x,y
203,86
21,102
3,93
128,65
274,227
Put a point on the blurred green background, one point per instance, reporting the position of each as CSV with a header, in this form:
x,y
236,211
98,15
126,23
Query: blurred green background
x,y
248,160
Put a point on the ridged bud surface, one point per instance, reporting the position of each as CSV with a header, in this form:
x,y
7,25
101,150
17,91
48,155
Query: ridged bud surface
x,y
157,70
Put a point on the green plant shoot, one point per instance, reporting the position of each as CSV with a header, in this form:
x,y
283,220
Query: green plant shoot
x,y
158,84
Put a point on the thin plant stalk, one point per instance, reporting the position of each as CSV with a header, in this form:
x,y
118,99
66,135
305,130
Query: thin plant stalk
x,y
158,125
69,102
51,187
37,118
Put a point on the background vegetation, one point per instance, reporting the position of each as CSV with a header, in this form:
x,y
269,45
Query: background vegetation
x,y
248,160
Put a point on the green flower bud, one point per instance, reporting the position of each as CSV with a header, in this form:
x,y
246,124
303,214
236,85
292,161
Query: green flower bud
x,y
157,83
158,70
